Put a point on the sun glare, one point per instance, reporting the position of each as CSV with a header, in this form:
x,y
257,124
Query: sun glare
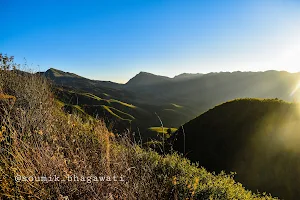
x,y
295,91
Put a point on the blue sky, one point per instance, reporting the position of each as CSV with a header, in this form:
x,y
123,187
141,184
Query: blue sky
x,y
116,39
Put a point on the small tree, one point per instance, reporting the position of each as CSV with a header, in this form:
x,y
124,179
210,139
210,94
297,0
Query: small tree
x,y
7,63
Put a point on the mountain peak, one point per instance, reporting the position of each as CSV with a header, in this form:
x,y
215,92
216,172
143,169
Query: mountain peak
x,y
55,73
142,72
146,78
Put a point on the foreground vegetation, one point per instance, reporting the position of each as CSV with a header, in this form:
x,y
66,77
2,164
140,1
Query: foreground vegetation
x,y
39,139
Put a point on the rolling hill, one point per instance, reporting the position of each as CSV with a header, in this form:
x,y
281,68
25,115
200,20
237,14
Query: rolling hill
x,y
258,139
118,115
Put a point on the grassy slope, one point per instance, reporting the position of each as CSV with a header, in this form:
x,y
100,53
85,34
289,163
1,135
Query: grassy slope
x,y
258,139
120,113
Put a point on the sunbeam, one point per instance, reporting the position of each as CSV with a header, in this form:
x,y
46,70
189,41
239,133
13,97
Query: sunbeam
x,y
295,91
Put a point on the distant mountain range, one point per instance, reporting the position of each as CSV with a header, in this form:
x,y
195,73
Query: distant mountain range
x,y
179,99
187,76
146,79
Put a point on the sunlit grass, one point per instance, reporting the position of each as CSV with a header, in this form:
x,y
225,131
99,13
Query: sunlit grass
x,y
79,108
92,96
122,113
117,113
162,129
59,103
122,103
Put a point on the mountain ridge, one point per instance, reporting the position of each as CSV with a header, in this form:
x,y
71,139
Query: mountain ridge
x,y
179,76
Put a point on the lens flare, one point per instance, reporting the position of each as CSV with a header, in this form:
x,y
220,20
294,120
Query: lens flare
x,y
294,93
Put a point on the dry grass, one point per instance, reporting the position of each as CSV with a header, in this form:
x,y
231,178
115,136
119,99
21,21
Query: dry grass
x,y
37,139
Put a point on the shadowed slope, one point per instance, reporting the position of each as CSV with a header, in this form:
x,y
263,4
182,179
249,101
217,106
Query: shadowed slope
x,y
258,139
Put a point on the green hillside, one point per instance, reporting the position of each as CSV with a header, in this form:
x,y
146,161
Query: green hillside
x,y
122,115
258,139
115,113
